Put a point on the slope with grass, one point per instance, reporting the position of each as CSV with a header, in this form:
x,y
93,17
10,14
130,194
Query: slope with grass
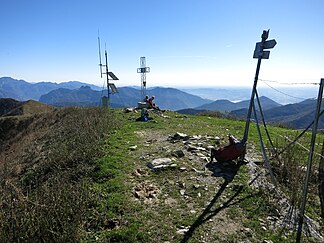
x,y
85,177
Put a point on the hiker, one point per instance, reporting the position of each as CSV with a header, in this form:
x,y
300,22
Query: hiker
x,y
153,106
150,101
146,99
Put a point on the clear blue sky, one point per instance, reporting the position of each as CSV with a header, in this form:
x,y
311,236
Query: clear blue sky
x,y
185,42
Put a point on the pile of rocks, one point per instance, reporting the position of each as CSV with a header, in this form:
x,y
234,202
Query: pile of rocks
x,y
191,146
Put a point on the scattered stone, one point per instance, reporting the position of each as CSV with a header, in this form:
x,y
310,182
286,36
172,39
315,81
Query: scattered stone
x,y
199,194
161,163
182,231
129,109
193,211
210,147
195,137
182,191
182,184
190,147
132,148
247,231
200,155
178,153
201,149
196,186
267,241
179,136
182,168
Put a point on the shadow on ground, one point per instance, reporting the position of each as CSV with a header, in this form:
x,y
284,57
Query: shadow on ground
x,y
227,170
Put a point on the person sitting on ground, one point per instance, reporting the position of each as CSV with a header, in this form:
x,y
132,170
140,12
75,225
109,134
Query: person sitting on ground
x,y
150,101
153,106
146,98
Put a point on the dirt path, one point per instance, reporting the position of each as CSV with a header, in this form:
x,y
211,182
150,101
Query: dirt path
x,y
208,196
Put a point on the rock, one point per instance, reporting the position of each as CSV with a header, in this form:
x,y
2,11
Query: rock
x,y
132,148
178,153
182,231
182,191
195,137
182,168
161,163
182,184
247,231
191,148
267,241
179,136
196,186
129,109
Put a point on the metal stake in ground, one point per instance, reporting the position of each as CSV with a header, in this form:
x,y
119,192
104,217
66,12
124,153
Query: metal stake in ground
x,y
260,54
310,160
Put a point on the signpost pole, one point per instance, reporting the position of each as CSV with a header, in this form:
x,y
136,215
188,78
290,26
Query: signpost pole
x,y
260,54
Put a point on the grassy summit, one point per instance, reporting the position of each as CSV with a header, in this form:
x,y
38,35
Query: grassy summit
x,y
81,175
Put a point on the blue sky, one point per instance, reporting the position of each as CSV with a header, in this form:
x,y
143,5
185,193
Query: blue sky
x,y
185,42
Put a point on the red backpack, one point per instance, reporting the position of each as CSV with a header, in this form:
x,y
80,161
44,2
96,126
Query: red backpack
x,y
230,152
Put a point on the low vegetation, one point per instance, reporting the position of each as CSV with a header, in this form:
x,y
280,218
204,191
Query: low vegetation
x,y
81,175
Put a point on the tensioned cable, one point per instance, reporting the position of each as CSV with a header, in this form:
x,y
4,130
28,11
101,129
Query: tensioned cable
x,y
298,137
295,142
281,92
285,83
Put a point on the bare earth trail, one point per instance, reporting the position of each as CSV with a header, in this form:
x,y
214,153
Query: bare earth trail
x,y
194,202
185,198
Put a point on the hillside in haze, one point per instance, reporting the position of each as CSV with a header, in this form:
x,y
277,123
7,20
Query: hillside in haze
x,y
165,98
226,105
22,90
298,115
75,93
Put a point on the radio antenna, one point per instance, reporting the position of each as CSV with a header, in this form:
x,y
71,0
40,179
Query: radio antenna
x,y
111,88
100,64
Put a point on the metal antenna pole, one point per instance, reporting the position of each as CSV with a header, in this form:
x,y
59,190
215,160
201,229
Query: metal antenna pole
x,y
310,160
106,56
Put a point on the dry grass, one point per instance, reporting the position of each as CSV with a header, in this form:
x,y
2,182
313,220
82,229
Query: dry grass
x,y
46,162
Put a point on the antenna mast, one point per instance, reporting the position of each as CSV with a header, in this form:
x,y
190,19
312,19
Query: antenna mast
x,y
143,70
111,88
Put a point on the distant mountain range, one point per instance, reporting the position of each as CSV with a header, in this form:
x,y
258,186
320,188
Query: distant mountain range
x,y
74,93
226,105
298,115
166,98
22,90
